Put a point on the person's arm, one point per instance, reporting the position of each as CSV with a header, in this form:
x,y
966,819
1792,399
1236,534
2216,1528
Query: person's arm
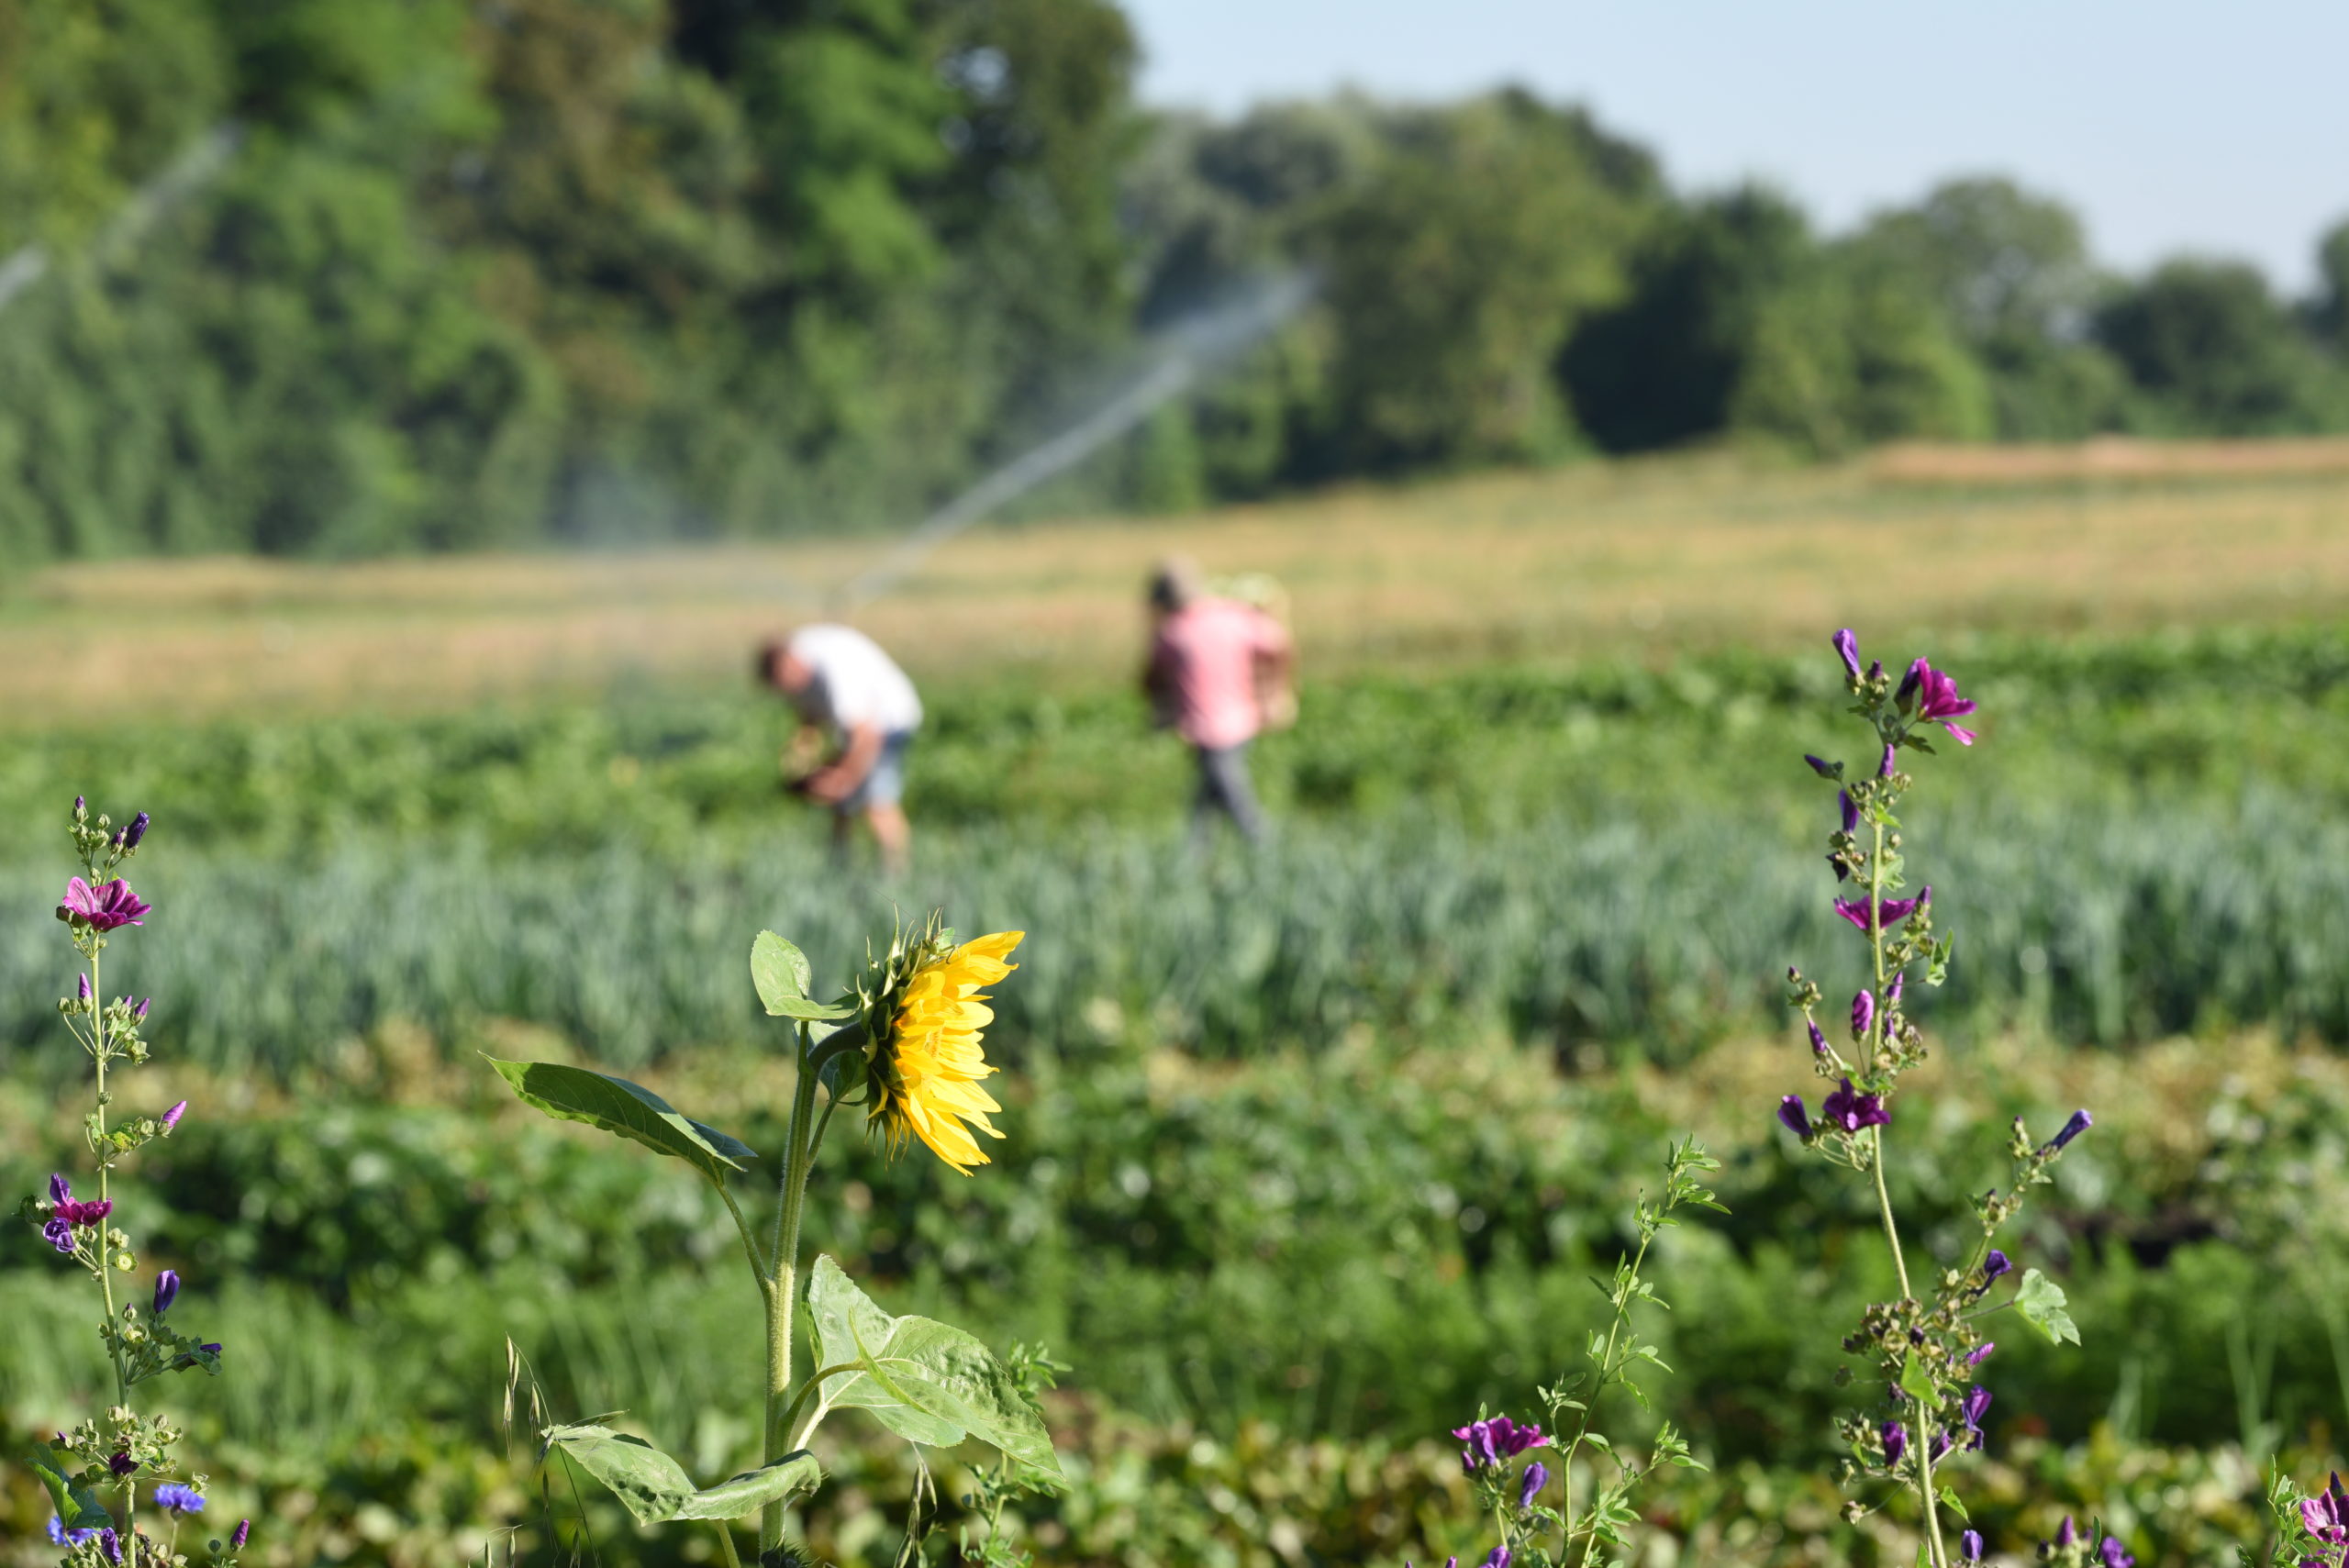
x,y
1275,661
837,781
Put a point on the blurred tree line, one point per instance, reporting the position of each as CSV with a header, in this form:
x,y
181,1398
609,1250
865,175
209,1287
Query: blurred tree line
x,y
493,272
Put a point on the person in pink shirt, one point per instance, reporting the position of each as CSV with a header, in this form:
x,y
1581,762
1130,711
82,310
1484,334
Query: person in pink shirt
x,y
1215,664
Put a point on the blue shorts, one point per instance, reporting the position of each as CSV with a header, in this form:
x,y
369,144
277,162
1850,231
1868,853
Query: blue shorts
x,y
885,783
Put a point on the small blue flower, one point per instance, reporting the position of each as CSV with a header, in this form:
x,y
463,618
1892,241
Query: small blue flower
x,y
176,1499
60,1536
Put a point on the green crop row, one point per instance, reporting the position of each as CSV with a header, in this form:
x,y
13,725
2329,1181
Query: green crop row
x,y
2197,718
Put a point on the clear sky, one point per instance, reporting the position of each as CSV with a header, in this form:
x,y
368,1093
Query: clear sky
x,y
2219,127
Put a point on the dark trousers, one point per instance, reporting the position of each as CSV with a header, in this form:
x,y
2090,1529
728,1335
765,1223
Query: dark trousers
x,y
1224,787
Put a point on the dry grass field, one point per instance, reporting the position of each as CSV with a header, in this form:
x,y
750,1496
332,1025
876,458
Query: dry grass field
x,y
1656,556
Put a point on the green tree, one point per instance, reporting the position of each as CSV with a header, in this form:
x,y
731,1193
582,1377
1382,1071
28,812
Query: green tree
x,y
2211,350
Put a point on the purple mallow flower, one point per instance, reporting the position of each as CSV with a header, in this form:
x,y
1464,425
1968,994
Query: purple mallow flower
x,y
110,1544
1896,1443
1969,1546
105,908
1797,1119
72,1211
1976,1406
2114,1555
167,1290
1537,1475
1889,912
121,1464
173,1497
1850,1110
1907,688
2081,1121
172,1117
1496,1558
1938,702
59,1189
1490,1442
1848,645
58,1233
1862,1014
2326,1515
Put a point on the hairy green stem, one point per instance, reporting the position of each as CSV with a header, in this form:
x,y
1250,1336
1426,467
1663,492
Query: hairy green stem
x,y
1938,1555
782,1279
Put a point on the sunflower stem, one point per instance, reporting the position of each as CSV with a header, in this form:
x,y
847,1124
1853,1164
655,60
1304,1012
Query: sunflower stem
x,y
783,1286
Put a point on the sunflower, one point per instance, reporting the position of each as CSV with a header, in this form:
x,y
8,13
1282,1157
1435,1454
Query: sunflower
x,y
927,1072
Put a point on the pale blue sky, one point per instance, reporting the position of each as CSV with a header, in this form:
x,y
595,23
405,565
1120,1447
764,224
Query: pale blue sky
x,y
2217,127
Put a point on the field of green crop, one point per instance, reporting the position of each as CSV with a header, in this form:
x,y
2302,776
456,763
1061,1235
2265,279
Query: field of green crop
x,y
1308,1155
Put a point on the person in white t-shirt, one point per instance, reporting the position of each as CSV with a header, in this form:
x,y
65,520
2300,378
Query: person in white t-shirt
x,y
850,694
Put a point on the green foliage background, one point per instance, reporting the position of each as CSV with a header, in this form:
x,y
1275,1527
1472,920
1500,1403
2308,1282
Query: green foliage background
x,y
613,270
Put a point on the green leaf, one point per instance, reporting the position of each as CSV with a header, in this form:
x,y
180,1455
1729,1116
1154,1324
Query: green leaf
x,y
655,1488
2041,1300
793,1476
629,1110
77,1508
812,1012
779,970
928,1382
1915,1382
649,1483
1949,1501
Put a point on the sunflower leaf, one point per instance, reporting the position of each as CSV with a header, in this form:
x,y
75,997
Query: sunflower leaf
x,y
627,1110
654,1487
928,1382
779,970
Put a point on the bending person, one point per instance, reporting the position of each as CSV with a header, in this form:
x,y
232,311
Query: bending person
x,y
848,693
1214,665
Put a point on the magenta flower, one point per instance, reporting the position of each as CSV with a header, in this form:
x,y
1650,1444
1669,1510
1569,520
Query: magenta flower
x,y
1938,702
1883,769
2326,1515
1490,1442
83,991
172,1117
1849,1109
105,908
73,1212
1848,645
1863,1015
1891,912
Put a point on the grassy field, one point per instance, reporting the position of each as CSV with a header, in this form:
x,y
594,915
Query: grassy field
x,y
1309,1155
1634,561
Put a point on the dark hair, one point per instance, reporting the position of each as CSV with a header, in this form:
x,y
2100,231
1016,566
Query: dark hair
x,y
768,660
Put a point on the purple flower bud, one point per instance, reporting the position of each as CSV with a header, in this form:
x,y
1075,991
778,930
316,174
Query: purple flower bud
x,y
172,1117
1969,1545
2066,1534
1875,668
1896,1443
1892,993
58,1233
214,1348
2115,1555
59,1189
83,990
1797,1120
1863,1015
1910,682
1976,1406
139,1012
1821,766
1496,1558
244,1532
1980,1353
109,1544
1537,1476
1818,1040
136,831
1994,1265
1942,1443
79,805
1851,812
2081,1121
1848,645
121,1464
1884,770
167,1290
